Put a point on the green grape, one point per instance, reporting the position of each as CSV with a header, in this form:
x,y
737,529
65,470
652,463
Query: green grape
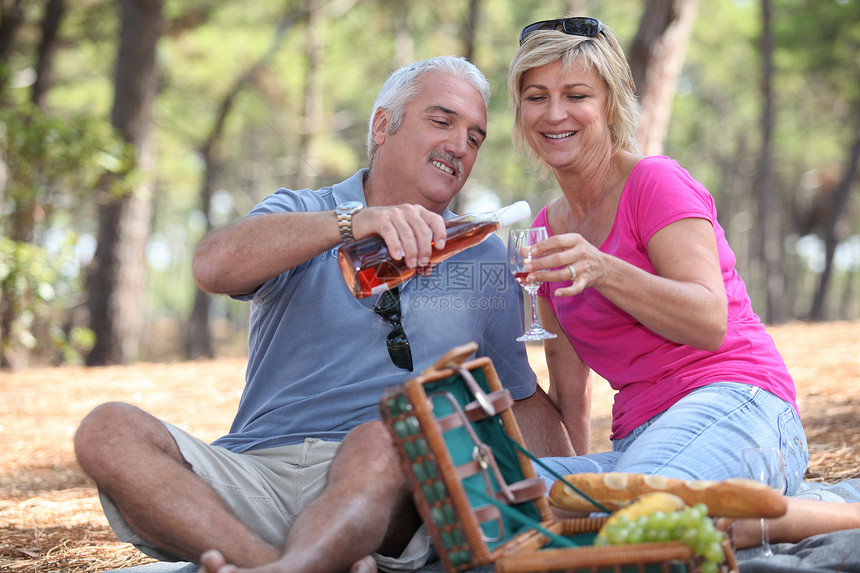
x,y
691,526
689,536
713,552
672,521
657,519
618,535
624,520
716,536
636,535
690,517
706,527
705,535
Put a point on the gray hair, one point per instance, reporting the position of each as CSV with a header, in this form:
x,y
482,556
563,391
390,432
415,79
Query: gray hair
x,y
401,87
602,53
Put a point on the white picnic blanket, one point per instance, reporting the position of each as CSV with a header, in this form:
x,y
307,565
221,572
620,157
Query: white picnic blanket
x,y
828,553
845,491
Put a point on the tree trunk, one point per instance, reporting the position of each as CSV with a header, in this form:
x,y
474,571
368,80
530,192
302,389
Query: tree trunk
x,y
470,26
198,343
769,213
22,221
467,33
27,211
11,17
306,166
837,213
199,339
54,11
117,277
656,59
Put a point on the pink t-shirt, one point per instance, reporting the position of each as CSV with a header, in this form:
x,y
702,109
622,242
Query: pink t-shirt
x,y
649,372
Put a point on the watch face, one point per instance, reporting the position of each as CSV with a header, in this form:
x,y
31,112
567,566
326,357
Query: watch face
x,y
349,205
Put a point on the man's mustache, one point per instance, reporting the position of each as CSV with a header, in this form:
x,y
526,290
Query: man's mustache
x,y
448,159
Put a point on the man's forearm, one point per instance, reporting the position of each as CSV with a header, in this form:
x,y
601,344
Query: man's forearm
x,y
239,258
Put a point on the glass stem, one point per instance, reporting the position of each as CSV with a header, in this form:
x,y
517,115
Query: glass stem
x,y
535,316
765,538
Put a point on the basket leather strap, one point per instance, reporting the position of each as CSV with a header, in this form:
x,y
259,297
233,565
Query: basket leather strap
x,y
480,396
501,400
528,489
522,491
468,469
486,513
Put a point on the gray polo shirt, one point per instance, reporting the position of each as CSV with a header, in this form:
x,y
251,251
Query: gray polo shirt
x,y
318,362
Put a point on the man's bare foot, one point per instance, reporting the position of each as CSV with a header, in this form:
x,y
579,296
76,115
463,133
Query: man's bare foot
x,y
213,562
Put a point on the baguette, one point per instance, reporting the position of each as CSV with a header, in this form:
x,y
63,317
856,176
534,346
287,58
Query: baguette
x,y
728,498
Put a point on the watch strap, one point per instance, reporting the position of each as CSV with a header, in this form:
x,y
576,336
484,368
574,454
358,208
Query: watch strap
x,y
344,223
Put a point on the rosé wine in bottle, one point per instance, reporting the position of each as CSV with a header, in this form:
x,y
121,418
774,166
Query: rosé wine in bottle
x,y
368,269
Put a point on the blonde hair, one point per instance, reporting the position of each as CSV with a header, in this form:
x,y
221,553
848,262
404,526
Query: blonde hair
x,y
601,53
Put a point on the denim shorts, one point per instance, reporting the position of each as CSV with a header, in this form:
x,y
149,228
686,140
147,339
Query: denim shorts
x,y
702,436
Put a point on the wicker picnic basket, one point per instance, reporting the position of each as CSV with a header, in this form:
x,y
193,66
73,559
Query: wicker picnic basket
x,y
476,489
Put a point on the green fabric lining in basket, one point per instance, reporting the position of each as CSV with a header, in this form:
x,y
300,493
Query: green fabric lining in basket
x,y
490,431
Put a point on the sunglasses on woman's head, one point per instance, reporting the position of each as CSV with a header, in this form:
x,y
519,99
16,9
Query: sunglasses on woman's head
x,y
586,27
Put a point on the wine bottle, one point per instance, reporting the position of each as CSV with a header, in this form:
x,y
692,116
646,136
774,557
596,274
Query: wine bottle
x,y
368,269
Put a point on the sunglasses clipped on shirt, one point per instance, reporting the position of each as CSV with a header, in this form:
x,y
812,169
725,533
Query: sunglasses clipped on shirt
x,y
388,309
579,26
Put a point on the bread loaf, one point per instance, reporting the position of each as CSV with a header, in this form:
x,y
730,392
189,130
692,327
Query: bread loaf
x,y
728,498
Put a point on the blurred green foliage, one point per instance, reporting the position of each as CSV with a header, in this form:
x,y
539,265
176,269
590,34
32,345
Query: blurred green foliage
x,y
56,158
52,167
38,288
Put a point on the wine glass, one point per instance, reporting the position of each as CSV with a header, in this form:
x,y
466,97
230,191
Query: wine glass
x,y
519,243
765,465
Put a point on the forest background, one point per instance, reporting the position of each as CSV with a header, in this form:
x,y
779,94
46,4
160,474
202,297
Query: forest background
x,y
129,129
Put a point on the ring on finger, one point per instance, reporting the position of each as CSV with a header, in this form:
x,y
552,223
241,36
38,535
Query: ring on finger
x,y
572,272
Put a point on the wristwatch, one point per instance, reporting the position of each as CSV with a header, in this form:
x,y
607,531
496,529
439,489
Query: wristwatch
x,y
344,212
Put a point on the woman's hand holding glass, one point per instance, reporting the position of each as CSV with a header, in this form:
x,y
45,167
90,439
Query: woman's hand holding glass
x,y
520,242
569,261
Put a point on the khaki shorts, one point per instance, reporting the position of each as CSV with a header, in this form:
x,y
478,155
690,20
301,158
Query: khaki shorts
x,y
265,489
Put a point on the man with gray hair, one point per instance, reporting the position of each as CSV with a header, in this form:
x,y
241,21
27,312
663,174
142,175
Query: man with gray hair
x,y
307,479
